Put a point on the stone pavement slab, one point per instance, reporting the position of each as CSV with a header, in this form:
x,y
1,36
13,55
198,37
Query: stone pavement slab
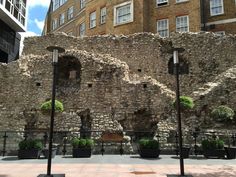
x,y
99,166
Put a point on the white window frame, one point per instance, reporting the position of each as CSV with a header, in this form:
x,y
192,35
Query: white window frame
x,y
160,3
92,19
82,4
131,13
212,6
103,14
70,13
165,28
82,29
181,24
54,24
56,4
179,1
62,19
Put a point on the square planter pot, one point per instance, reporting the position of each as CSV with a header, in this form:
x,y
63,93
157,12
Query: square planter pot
x,y
82,152
29,153
149,153
46,152
185,152
214,153
230,152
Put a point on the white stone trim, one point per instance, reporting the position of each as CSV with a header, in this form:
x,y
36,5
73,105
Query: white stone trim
x,y
232,20
131,10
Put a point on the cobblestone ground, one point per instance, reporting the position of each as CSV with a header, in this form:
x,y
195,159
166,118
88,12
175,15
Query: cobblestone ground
x,y
132,168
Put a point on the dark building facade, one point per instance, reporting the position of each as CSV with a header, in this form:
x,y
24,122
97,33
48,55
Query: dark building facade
x,y
12,21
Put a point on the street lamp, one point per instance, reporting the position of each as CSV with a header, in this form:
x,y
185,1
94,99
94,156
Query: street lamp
x,y
174,68
55,51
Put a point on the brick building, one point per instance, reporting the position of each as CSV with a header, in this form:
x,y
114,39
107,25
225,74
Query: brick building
x,y
91,17
12,21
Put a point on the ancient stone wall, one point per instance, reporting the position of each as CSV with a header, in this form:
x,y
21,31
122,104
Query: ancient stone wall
x,y
118,82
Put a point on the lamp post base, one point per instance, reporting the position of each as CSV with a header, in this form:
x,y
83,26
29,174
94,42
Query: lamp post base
x,y
52,175
179,175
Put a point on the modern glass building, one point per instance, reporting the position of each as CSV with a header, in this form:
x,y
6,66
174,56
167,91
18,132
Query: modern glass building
x,y
12,21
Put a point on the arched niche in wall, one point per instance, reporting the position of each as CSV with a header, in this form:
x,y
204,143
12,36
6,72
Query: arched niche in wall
x,y
69,71
183,66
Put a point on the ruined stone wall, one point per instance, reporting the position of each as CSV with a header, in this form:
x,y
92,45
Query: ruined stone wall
x,y
118,82
146,54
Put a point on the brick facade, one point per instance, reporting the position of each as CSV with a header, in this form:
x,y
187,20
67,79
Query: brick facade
x,y
145,15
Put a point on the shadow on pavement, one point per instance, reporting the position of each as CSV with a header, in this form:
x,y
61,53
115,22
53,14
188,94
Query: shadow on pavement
x,y
138,157
10,159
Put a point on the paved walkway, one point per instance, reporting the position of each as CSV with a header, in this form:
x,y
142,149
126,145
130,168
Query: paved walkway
x,y
117,166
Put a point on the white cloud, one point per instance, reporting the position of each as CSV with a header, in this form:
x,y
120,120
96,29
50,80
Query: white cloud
x,y
23,35
40,24
42,3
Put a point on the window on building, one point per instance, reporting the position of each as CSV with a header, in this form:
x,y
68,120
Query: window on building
x,y
17,8
54,24
103,14
216,7
82,29
92,20
82,4
163,27
56,4
182,24
1,1
123,13
62,2
70,13
62,19
162,2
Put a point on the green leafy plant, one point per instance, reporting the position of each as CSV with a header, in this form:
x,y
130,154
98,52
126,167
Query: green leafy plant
x,y
146,143
82,143
222,114
212,144
186,103
30,144
47,106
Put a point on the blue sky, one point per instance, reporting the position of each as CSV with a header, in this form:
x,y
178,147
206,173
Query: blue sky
x,y
37,10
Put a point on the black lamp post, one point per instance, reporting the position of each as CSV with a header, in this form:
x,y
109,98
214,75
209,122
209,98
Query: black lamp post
x,y
177,69
55,50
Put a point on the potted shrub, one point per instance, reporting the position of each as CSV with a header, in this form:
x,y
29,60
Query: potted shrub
x,y
222,114
82,147
149,148
30,149
230,152
213,148
46,107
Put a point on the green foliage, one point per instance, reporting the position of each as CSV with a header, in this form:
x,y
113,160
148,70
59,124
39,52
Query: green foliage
x,y
47,106
222,114
82,143
30,144
212,144
146,143
185,103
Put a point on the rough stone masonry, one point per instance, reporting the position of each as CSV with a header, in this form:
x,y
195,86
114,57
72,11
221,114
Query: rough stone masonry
x,y
118,82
